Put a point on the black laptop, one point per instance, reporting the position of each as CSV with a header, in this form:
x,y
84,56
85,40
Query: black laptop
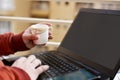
x,y
89,51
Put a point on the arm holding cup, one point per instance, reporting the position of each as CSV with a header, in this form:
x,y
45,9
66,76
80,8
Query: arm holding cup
x,y
23,68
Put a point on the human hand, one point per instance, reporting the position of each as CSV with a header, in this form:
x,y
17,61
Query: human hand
x,y
31,65
28,37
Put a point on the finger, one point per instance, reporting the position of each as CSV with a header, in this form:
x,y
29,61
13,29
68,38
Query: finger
x,y
50,37
30,59
21,59
49,24
50,30
36,63
42,69
50,33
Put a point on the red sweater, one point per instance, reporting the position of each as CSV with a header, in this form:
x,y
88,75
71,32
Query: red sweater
x,y
10,43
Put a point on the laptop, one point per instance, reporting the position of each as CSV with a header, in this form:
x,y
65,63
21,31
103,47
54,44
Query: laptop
x,y
90,49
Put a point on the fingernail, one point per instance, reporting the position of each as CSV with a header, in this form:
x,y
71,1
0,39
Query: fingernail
x,y
46,66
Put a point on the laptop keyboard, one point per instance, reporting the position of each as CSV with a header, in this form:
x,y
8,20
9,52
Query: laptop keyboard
x,y
57,64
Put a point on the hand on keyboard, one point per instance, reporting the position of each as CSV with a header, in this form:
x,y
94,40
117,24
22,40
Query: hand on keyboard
x,y
31,65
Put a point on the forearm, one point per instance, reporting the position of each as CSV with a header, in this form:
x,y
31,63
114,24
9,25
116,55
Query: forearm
x,y
12,73
17,43
10,43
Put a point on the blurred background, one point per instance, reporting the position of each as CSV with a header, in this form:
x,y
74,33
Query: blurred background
x,y
17,15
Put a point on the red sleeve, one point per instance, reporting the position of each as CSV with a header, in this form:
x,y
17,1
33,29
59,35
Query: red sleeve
x,y
12,73
11,43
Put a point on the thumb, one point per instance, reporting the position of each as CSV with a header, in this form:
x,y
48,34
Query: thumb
x,y
30,37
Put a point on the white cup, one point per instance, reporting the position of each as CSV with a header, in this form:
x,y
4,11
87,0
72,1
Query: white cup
x,y
41,30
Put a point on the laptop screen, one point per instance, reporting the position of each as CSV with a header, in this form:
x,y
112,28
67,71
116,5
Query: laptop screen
x,y
95,36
